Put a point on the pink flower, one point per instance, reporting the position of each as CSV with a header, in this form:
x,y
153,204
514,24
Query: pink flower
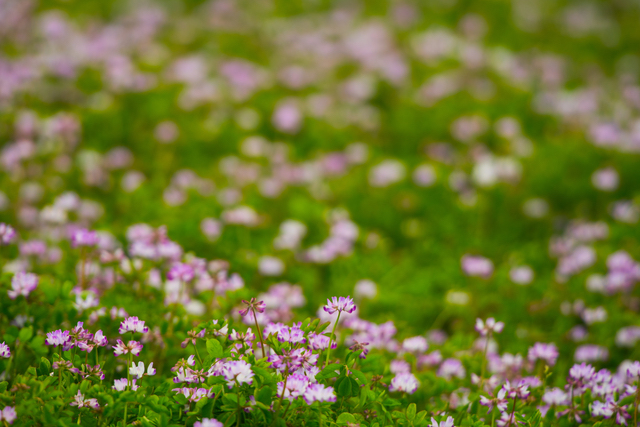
x,y
181,271
81,402
131,347
253,304
7,234
5,351
237,372
57,338
8,414
473,265
22,284
83,237
404,382
208,422
121,385
546,352
490,325
447,423
133,324
319,393
340,304
139,372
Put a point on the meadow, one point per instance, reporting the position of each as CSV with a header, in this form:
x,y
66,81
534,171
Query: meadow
x,y
319,213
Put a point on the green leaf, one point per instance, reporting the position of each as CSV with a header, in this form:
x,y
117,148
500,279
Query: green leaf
x,y
45,366
3,386
230,398
266,376
411,412
264,395
360,377
346,418
345,387
536,419
25,334
214,348
329,371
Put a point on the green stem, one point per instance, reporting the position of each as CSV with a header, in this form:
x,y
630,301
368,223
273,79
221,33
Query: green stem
x,y
126,405
286,410
326,362
284,388
513,411
484,359
199,358
60,370
82,268
255,318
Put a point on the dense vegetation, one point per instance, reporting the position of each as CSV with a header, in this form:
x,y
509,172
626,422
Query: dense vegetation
x,y
310,213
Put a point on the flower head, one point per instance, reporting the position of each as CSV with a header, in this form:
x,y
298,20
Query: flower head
x,y
81,402
237,372
208,422
84,237
22,284
340,304
490,326
404,382
7,234
5,351
138,371
133,347
546,352
447,423
8,414
194,394
181,271
253,305
321,342
58,338
295,387
121,384
133,324
192,336
319,393
99,339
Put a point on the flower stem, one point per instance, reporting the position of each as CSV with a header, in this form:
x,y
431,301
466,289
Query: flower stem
x,y
60,370
513,411
326,362
199,358
484,359
284,388
82,269
124,421
255,318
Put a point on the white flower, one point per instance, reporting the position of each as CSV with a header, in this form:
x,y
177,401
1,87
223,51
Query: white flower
x,y
139,372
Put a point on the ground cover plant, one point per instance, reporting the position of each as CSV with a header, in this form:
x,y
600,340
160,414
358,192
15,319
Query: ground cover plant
x,y
319,213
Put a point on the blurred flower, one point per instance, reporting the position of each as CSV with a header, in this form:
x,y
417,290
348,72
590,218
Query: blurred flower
x,y
474,265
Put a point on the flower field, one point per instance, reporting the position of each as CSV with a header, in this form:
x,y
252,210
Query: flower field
x,y
319,213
